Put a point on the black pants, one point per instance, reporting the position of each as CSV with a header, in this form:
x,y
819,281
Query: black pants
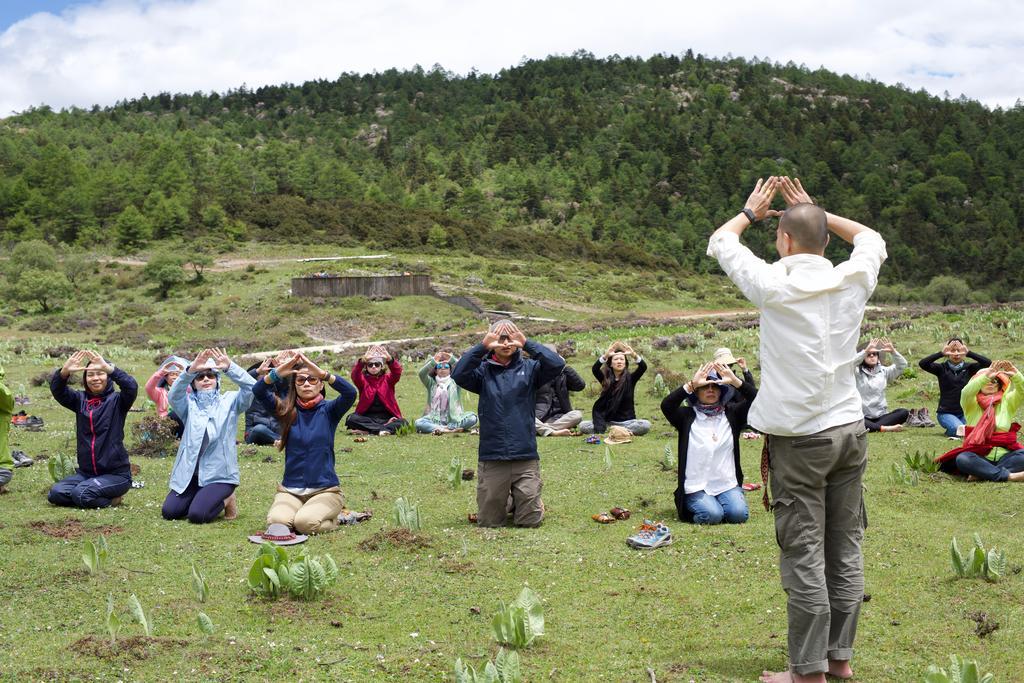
x,y
896,417
374,425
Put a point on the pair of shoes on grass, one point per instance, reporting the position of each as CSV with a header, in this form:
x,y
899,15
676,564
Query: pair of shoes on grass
x,y
21,459
610,516
650,535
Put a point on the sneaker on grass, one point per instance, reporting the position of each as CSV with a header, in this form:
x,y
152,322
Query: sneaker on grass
x,y
650,535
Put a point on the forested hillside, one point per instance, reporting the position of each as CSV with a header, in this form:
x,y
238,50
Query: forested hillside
x,y
626,160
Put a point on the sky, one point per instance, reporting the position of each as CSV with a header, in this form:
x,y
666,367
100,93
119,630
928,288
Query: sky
x,y
85,52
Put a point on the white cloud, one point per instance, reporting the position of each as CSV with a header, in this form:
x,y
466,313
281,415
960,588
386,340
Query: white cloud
x,y
118,49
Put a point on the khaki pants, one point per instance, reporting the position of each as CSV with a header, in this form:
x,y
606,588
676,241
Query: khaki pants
x,y
315,513
500,482
567,421
818,503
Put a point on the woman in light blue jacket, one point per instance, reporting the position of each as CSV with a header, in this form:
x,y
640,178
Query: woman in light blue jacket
x,y
205,471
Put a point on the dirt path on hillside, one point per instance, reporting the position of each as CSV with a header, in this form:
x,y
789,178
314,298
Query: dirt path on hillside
x,y
222,265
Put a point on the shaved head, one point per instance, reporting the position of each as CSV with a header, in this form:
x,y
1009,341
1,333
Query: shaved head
x,y
807,225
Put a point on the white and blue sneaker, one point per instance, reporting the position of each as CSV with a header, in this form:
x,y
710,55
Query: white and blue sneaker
x,y
650,535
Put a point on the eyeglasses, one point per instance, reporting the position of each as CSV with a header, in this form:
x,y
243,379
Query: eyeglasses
x,y
443,366
375,364
206,375
871,353
306,379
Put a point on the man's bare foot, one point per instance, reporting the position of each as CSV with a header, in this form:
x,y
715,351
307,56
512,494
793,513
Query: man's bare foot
x,y
561,432
277,443
971,477
358,432
790,677
384,432
1016,476
840,668
230,507
891,428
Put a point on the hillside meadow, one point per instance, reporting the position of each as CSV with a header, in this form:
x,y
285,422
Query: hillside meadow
x,y
707,608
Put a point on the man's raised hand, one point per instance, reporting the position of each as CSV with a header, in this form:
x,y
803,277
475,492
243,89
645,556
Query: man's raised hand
x,y
793,192
760,200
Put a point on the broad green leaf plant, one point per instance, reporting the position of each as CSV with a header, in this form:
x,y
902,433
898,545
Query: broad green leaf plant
x,y
199,585
504,669
94,555
455,473
305,577
520,622
960,671
407,515
139,614
989,565
60,466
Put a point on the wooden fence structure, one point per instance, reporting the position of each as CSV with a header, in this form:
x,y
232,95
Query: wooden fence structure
x,y
370,287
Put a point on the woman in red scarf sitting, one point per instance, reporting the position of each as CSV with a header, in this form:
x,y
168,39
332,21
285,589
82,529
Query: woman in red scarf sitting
x,y
990,451
375,376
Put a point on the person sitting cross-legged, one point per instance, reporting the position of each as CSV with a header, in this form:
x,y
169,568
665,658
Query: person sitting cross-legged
x,y
614,407
554,413
872,379
444,412
991,450
710,477
375,375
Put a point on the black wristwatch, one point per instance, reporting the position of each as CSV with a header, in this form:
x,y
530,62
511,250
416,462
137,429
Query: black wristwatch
x,y
749,213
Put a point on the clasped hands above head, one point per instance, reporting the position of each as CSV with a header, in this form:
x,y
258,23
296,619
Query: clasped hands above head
x,y
83,359
760,200
213,358
504,333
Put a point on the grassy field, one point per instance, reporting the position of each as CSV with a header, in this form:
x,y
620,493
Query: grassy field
x,y
707,608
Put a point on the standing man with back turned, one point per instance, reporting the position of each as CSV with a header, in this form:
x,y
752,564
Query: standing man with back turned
x,y
809,407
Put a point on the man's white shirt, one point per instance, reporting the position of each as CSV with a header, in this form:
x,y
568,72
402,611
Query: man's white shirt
x,y
811,313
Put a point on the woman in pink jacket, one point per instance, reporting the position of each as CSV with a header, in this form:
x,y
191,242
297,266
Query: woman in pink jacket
x,y
160,382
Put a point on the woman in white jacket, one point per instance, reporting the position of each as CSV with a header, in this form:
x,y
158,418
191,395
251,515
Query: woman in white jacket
x,y
872,379
205,471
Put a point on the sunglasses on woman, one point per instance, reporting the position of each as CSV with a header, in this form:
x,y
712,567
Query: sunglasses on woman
x,y
375,364
443,366
207,374
306,379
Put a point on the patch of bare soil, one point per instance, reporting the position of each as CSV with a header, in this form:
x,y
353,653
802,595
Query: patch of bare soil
x,y
72,529
133,647
399,538
451,565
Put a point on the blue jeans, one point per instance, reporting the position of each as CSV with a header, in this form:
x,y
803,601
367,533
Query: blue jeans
x,y
81,491
971,463
950,421
729,507
425,425
261,435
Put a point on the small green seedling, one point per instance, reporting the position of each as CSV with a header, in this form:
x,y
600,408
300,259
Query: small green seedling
x,y
900,475
407,515
113,622
455,473
520,622
921,462
140,615
504,669
607,458
960,671
95,555
199,585
668,459
205,623
978,563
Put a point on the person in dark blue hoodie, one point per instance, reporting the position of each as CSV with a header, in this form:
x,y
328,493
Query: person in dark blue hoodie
x,y
509,467
103,475
309,499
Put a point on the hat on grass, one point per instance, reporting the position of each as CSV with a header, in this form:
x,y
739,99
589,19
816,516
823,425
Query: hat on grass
x,y
278,534
618,435
724,356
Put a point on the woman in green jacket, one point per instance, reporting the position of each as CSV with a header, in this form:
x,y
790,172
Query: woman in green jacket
x,y
990,451
444,411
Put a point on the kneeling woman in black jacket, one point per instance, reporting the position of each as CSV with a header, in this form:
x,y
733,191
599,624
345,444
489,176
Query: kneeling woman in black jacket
x,y
710,478
103,475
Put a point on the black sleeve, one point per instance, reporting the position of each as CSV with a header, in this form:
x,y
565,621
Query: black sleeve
x,y
672,407
641,368
982,362
596,369
573,381
928,363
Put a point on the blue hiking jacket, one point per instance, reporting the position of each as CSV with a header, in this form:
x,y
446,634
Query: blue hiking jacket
x,y
99,422
507,397
215,415
309,451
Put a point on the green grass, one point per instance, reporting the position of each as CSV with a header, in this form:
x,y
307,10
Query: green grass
x,y
707,608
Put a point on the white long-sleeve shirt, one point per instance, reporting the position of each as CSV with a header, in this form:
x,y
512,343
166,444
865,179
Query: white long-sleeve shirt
x,y
811,312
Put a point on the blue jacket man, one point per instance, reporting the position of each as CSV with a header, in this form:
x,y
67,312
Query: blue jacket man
x,y
507,383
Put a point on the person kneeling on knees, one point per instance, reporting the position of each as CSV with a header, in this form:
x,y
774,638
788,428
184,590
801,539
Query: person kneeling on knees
x,y
103,475
309,499
710,478
507,383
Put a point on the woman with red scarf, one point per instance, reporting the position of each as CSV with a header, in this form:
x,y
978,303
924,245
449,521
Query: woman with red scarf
x,y
990,451
309,498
